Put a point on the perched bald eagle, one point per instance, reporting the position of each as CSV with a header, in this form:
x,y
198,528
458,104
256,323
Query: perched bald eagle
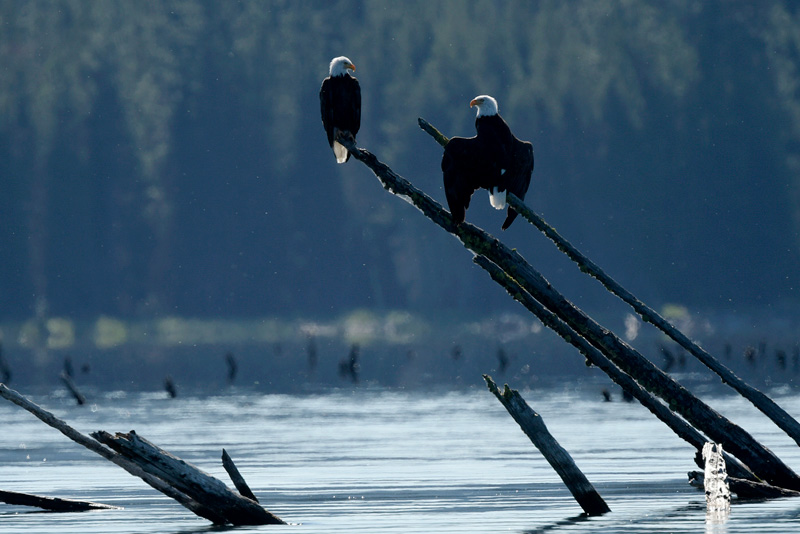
x,y
494,160
340,104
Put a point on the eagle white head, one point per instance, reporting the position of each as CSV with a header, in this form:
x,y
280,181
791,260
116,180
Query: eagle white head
x,y
486,105
341,66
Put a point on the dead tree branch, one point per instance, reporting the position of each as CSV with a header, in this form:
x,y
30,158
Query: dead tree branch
x,y
197,503
558,457
236,476
770,408
681,428
188,479
721,430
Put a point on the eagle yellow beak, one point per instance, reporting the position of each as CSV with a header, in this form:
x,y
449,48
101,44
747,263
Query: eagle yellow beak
x,y
352,67
475,102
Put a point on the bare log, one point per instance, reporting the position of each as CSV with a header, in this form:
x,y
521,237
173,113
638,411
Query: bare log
x,y
681,428
52,504
736,440
558,457
188,479
236,476
770,408
199,508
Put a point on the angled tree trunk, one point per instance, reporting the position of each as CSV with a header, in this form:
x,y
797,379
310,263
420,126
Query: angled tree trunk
x,y
678,425
770,408
558,457
719,429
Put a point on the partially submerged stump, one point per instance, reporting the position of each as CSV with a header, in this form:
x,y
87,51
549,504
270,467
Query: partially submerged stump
x,y
558,457
73,389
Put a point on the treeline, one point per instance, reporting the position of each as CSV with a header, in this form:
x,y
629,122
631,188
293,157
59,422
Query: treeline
x,y
168,157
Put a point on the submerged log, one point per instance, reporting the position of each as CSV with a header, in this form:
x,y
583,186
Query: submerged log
x,y
558,457
198,503
736,440
52,504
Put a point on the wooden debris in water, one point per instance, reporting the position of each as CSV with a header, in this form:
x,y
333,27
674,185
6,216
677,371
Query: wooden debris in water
x,y
51,504
529,283
188,479
202,494
533,426
66,378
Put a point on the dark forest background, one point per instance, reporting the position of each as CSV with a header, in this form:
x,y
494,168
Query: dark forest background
x,y
168,158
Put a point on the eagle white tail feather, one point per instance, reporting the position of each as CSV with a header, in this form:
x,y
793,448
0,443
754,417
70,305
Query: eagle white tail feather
x,y
340,152
497,198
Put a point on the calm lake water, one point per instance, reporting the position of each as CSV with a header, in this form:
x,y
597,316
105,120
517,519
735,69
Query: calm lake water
x,y
367,460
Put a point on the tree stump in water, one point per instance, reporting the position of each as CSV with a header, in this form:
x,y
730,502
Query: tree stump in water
x,y
533,426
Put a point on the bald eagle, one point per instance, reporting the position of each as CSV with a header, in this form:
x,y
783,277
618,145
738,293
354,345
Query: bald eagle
x,y
340,104
494,160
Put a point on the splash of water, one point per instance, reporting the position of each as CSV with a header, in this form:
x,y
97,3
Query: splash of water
x,y
718,494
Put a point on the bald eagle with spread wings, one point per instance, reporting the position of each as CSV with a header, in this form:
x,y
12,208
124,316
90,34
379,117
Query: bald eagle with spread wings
x,y
494,160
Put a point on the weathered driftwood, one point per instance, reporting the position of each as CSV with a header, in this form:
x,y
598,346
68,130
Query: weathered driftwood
x,y
236,477
73,389
188,479
738,442
197,507
770,408
558,457
684,430
52,504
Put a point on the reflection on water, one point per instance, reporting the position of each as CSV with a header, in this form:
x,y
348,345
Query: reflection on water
x,y
383,461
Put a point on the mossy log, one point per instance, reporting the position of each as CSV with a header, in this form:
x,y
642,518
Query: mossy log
x,y
556,455
736,440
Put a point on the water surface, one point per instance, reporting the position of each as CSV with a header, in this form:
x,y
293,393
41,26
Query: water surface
x,y
382,460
